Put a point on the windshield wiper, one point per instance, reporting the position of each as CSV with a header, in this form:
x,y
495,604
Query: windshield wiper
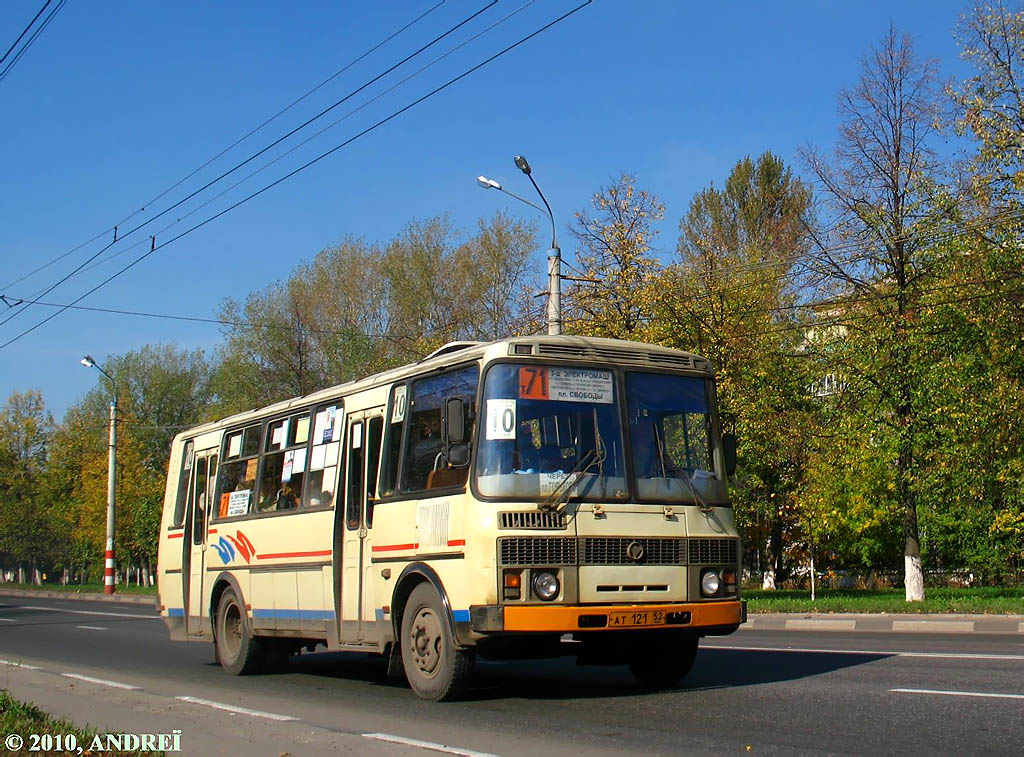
x,y
558,499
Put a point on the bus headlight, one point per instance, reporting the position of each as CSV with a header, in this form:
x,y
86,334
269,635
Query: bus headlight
x,y
710,583
545,585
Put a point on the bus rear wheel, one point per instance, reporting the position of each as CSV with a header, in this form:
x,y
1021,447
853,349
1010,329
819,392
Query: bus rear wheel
x,y
238,652
665,662
434,666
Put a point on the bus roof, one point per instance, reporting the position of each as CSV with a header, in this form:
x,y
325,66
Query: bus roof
x,y
562,347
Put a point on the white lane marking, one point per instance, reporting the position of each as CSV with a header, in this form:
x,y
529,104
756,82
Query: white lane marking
x,y
18,665
427,745
92,628
88,612
8,620
934,626
238,710
811,624
937,655
101,681
958,693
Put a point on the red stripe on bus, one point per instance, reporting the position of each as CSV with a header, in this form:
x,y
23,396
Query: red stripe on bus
x,y
176,536
394,547
212,531
456,542
276,555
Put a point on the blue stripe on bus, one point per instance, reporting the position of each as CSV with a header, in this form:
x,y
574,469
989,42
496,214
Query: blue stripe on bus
x,y
176,612
461,615
294,614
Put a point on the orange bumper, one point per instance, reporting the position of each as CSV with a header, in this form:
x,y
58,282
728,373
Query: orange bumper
x,y
589,618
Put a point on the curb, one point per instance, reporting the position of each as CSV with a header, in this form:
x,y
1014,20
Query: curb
x,y
882,623
128,599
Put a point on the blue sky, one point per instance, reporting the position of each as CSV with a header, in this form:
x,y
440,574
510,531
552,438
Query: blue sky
x,y
119,99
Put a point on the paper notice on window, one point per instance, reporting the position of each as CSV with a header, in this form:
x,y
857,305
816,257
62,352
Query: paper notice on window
x,y
302,430
316,459
537,382
277,436
318,427
329,423
299,461
286,467
238,502
550,481
331,453
327,484
501,419
234,445
251,466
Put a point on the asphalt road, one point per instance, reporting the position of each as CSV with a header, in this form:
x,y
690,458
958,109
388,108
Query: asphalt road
x,y
754,691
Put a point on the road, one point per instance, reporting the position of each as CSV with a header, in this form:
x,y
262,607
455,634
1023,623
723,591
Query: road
x,y
764,692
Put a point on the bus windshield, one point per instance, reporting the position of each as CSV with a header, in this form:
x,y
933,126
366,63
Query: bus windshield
x,y
671,438
543,422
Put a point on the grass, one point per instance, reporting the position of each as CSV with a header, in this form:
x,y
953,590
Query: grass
x,y
25,719
96,588
985,600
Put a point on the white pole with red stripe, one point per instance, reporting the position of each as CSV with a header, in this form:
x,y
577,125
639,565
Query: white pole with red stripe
x,y
108,563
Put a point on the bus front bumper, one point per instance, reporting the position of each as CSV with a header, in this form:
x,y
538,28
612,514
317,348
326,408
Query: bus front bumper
x,y
709,617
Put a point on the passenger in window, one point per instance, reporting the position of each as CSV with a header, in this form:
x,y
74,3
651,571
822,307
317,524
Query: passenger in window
x,y
425,450
286,499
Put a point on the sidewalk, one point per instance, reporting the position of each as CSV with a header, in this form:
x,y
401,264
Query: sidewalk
x,y
132,599
909,622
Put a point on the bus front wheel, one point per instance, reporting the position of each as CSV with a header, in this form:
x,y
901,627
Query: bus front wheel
x,y
237,651
434,666
666,661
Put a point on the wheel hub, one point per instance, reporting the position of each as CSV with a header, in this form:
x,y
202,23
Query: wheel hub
x,y
425,639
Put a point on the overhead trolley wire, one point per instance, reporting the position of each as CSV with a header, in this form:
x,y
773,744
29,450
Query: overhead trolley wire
x,y
25,30
28,43
230,147
306,165
310,138
252,157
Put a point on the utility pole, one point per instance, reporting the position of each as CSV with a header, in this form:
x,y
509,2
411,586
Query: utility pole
x,y
108,556
554,259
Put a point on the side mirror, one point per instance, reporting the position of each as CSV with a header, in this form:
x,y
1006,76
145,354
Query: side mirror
x,y
729,450
458,455
454,421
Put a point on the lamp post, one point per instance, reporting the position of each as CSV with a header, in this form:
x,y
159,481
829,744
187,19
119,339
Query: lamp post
x,y
555,254
108,565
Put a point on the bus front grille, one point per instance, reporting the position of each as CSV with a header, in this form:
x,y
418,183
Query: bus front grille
x,y
533,519
712,551
618,551
537,551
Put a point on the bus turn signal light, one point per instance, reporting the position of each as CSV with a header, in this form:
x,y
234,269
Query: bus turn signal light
x,y
512,581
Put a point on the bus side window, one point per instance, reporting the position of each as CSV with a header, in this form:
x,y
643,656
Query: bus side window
x,y
353,497
321,479
199,506
186,471
375,432
236,483
393,442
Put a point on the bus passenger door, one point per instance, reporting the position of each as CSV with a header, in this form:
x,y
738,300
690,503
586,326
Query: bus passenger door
x,y
363,440
204,476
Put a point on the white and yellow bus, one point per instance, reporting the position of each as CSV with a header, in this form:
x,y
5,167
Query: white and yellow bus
x,y
529,497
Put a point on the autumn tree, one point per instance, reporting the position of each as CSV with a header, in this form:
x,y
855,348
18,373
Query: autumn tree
x,y
729,297
881,191
614,240
26,531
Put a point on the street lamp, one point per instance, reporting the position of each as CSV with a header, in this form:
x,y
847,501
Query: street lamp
x,y
108,566
555,255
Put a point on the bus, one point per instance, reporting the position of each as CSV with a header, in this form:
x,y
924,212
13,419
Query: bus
x,y
525,498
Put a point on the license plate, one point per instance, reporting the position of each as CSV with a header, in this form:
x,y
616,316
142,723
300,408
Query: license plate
x,y
635,619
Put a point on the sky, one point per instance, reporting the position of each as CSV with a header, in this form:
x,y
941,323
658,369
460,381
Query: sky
x,y
116,101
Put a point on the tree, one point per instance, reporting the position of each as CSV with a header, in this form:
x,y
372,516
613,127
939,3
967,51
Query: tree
x,y
729,297
615,240
26,531
882,194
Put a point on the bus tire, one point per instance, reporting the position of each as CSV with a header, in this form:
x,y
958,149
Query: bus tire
x,y
665,662
238,652
435,668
